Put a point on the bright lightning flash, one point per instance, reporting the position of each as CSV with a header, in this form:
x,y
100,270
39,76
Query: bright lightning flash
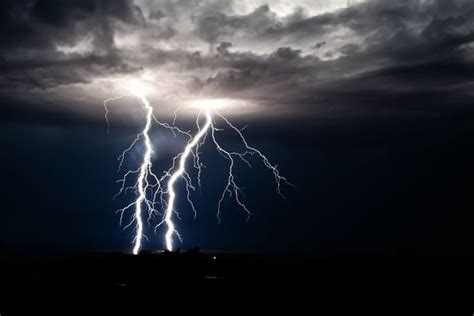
x,y
147,182
149,189
209,109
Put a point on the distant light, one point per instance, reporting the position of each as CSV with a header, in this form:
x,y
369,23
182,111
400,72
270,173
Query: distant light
x,y
214,258
208,104
138,88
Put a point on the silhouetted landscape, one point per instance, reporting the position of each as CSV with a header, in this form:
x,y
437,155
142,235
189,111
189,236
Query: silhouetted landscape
x,y
194,276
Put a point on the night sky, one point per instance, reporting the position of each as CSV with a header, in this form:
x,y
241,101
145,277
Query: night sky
x,y
366,108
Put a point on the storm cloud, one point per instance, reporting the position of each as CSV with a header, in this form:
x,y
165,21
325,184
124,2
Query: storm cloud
x,y
363,59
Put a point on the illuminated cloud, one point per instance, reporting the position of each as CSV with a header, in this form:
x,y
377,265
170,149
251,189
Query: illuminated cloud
x,y
329,57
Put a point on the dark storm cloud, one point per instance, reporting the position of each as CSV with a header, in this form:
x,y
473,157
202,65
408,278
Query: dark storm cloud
x,y
212,27
48,73
356,60
253,76
401,47
31,32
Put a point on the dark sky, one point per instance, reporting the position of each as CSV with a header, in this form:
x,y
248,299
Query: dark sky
x,y
366,109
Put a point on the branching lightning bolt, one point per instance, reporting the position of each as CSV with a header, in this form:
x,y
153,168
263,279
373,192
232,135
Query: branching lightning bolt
x,y
147,186
146,179
151,191
192,149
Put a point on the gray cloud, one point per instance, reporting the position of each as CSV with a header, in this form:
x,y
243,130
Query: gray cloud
x,y
354,60
404,47
212,27
34,30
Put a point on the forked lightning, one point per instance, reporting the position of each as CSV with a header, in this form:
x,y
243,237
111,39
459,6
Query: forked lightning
x,y
154,193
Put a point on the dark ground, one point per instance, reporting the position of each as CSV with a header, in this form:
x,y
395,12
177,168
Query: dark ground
x,y
201,281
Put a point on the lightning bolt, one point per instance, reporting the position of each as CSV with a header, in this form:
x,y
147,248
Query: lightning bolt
x,y
192,150
151,193
146,179
178,174
147,186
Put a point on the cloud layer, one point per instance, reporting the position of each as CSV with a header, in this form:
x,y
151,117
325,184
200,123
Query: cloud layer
x,y
372,58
